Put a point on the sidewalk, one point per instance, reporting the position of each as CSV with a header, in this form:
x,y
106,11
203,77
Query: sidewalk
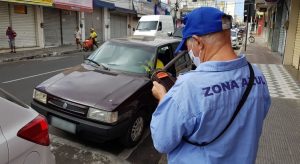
x,y
30,53
280,139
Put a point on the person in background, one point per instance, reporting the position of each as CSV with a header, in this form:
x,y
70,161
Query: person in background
x,y
11,35
78,38
93,36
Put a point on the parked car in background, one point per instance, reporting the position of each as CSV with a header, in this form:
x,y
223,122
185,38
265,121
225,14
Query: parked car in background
x,y
109,95
24,137
234,39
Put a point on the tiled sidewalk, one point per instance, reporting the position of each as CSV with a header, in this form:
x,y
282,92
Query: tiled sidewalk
x,y
280,140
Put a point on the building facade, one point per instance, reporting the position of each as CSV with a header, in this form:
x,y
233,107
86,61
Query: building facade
x,y
46,23
278,22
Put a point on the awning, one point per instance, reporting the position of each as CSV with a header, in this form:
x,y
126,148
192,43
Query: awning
x,y
33,2
103,4
123,10
75,5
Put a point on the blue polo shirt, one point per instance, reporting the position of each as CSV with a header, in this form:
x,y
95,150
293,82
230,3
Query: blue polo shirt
x,y
200,105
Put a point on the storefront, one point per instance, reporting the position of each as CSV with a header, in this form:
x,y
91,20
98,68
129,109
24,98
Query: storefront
x,y
296,56
24,17
5,22
119,22
52,26
60,23
118,25
96,19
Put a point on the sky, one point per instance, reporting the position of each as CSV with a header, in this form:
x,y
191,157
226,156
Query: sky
x,y
239,8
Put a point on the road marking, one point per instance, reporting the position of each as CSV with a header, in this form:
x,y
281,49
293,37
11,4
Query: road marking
x,y
28,77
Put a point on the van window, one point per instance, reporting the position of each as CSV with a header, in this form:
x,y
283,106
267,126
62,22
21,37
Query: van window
x,y
159,26
147,25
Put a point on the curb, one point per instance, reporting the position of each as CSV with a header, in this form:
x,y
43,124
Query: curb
x,y
36,56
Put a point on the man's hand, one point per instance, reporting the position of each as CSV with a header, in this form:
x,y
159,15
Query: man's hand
x,y
158,91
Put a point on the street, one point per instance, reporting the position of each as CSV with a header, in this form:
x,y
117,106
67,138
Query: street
x,y
19,78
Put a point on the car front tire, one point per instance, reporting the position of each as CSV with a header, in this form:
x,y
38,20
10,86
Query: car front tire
x,y
135,131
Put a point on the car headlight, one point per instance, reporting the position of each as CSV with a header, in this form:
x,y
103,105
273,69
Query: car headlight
x,y
40,96
104,116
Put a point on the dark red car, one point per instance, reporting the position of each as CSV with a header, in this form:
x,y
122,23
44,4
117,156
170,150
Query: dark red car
x,y
109,95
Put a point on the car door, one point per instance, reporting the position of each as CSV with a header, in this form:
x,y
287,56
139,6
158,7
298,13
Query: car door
x,y
183,64
3,148
165,55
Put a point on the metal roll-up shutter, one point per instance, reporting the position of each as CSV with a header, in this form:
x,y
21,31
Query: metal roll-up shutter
x,y
282,35
69,24
52,28
297,46
25,27
94,20
118,25
4,19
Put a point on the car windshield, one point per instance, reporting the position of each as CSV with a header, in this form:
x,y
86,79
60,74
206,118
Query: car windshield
x,y
147,25
124,57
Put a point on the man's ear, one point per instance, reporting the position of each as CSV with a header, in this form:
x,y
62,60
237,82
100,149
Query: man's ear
x,y
198,41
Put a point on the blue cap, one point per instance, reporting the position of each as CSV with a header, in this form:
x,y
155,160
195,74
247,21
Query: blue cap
x,y
201,21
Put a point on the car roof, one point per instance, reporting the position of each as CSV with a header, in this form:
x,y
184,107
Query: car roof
x,y
146,40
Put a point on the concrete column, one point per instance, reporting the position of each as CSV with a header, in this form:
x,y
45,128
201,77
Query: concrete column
x,y
82,22
39,30
106,28
128,23
291,32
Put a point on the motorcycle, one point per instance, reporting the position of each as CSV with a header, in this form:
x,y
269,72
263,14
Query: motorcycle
x,y
87,45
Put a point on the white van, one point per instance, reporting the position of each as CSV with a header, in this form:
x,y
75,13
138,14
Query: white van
x,y
154,25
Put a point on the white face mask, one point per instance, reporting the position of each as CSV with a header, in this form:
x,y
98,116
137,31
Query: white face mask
x,y
196,60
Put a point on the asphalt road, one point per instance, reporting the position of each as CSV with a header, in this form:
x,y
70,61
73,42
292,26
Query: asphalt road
x,y
20,78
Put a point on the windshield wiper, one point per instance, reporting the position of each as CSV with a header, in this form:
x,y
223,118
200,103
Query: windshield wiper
x,y
98,64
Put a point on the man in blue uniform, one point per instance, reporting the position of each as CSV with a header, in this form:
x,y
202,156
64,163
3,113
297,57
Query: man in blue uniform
x,y
202,102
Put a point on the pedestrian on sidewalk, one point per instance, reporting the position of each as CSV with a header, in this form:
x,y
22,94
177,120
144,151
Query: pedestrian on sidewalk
x,y
190,121
11,35
78,38
93,36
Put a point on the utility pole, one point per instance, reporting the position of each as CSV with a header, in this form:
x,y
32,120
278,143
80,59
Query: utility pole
x,y
248,14
176,9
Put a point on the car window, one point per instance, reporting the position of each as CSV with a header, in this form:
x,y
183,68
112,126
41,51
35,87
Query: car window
x,y
11,98
124,57
147,25
181,60
165,55
159,26
174,46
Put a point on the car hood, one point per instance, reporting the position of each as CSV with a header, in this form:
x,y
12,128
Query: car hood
x,y
85,85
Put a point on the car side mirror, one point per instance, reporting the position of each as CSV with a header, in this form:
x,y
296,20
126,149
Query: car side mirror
x,y
170,33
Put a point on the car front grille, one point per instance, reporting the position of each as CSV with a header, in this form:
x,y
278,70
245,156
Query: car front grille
x,y
68,107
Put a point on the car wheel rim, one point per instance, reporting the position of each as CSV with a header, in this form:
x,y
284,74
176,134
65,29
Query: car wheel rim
x,y
137,129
